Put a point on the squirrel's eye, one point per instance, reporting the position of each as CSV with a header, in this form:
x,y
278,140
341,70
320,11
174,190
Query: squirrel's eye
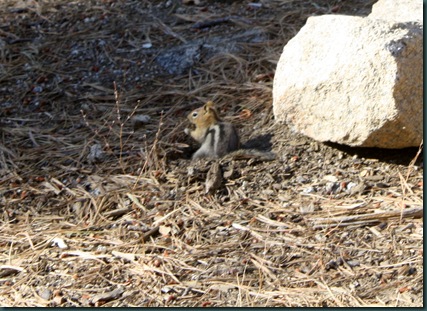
x,y
195,114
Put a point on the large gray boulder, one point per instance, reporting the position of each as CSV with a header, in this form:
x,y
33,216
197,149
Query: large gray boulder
x,y
354,81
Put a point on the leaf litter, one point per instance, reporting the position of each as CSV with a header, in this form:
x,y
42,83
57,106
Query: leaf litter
x,y
101,205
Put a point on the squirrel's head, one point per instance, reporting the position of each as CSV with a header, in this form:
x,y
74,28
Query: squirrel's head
x,y
205,115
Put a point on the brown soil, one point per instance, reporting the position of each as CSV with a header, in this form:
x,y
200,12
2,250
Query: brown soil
x,y
98,210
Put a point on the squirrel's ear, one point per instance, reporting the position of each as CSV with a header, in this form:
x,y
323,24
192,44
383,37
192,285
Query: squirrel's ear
x,y
209,105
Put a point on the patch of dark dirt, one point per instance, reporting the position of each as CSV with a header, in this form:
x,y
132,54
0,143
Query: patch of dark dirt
x,y
96,211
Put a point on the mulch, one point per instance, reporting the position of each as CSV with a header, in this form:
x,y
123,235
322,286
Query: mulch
x,y
101,205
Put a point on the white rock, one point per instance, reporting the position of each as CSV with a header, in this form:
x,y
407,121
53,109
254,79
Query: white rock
x,y
353,80
59,242
398,10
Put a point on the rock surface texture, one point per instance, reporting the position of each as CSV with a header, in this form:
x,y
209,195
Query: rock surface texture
x,y
355,80
399,11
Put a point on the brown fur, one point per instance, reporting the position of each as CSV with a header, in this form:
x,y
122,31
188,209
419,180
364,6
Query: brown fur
x,y
203,118
216,137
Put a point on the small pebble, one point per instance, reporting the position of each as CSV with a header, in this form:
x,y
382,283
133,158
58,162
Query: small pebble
x,y
309,190
46,294
301,179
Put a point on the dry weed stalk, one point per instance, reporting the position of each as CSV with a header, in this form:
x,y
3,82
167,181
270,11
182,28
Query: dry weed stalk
x,y
404,181
152,160
122,124
98,132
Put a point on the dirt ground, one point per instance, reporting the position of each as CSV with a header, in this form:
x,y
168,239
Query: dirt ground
x,y
101,205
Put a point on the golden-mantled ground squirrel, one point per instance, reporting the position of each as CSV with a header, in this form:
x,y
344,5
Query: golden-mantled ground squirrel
x,y
217,138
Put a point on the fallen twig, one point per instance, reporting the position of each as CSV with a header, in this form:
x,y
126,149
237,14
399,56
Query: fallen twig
x,y
366,218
